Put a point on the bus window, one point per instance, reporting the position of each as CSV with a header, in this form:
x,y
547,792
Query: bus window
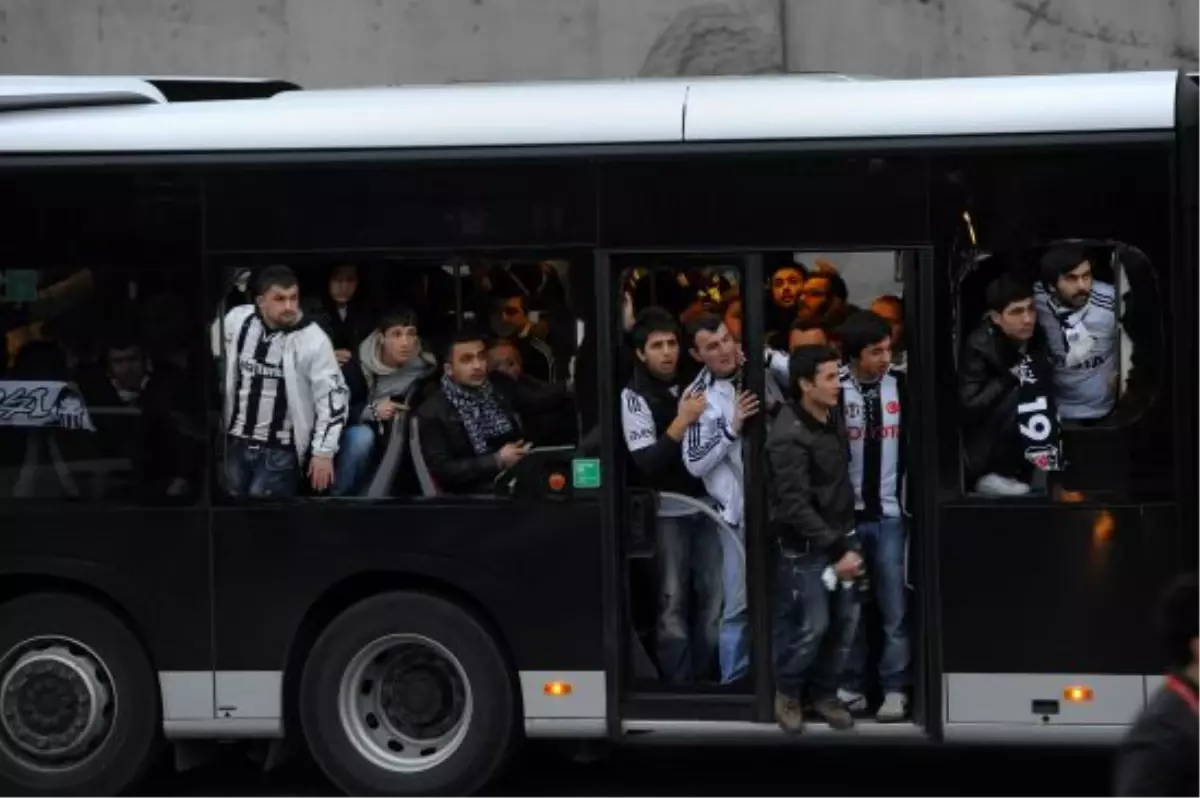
x,y
399,404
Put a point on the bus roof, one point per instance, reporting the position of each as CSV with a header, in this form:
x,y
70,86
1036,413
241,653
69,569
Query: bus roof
x,y
760,108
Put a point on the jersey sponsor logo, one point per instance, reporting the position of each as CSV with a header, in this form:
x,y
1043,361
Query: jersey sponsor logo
x,y
883,433
251,366
892,407
853,410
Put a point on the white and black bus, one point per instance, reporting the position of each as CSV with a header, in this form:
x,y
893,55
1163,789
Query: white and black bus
x,y
408,637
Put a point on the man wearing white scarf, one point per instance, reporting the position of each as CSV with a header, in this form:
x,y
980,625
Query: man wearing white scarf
x,y
1079,316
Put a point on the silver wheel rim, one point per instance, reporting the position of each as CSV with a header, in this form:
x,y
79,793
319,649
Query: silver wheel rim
x,y
405,703
58,703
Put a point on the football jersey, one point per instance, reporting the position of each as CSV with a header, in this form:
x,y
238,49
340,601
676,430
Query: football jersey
x,y
1084,349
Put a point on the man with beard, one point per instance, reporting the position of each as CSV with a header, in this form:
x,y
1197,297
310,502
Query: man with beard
x,y
655,417
285,398
1079,316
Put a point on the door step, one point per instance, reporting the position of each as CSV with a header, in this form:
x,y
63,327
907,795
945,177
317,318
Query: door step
x,y
649,732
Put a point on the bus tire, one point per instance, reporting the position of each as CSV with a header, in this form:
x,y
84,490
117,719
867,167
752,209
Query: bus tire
x,y
408,694
105,732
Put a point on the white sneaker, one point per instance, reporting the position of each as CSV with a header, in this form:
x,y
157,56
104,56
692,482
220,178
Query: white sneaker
x,y
893,709
852,700
996,485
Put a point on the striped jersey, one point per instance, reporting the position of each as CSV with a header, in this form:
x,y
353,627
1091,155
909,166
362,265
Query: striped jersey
x,y
873,417
260,410
1084,349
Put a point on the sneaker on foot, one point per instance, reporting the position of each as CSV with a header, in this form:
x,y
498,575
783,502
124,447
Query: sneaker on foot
x,y
996,485
836,715
853,700
788,713
893,709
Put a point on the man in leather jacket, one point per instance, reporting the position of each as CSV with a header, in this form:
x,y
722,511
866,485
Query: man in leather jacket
x,y
471,426
989,386
811,516
1161,756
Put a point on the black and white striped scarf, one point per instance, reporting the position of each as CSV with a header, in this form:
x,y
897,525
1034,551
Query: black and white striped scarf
x,y
481,412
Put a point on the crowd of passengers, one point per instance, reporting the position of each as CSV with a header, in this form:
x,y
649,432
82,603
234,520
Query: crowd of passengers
x,y
835,464
316,387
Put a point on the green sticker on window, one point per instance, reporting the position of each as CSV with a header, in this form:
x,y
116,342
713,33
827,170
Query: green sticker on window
x,y
585,473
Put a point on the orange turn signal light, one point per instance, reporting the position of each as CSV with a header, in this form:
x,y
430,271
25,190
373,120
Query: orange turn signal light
x,y
1078,694
557,689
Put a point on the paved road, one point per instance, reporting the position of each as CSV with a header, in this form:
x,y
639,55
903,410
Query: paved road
x,y
802,770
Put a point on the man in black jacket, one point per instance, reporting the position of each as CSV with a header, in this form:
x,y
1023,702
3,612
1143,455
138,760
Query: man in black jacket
x,y
811,516
470,427
1005,386
1158,757
655,417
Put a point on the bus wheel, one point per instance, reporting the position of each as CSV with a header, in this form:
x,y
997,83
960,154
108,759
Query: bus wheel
x,y
79,709
407,693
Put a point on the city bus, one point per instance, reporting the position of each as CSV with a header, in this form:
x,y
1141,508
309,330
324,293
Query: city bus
x,y
409,638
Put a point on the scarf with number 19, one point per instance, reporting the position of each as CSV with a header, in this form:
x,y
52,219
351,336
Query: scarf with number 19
x,y
1037,417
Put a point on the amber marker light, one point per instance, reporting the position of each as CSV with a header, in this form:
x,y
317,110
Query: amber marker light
x,y
1078,694
557,689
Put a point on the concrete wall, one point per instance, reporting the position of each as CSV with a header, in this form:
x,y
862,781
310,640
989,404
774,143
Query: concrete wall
x,y
355,42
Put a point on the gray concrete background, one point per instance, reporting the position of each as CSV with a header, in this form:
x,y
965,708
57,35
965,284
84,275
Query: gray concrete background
x,y
375,42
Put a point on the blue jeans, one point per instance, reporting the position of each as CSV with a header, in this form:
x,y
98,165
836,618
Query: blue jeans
x,y
883,552
353,458
261,472
812,628
689,560
734,642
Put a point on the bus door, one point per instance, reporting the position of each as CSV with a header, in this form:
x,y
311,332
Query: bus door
x,y
676,549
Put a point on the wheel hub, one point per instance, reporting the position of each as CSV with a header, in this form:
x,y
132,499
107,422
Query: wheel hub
x,y
53,703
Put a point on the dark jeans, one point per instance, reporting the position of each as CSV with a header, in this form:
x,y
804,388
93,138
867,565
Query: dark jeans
x,y
258,471
812,628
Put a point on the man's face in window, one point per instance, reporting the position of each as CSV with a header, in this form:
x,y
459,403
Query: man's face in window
x,y
786,286
127,367
509,318
468,364
400,344
343,284
717,351
505,359
874,360
280,306
1017,320
823,389
817,299
661,354
1074,287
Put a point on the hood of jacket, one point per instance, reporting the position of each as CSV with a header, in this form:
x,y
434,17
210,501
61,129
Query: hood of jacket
x,y
384,380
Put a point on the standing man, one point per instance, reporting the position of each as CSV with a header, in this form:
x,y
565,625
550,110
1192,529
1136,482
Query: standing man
x,y
811,516
872,406
1158,756
285,398
1079,317
655,418
713,453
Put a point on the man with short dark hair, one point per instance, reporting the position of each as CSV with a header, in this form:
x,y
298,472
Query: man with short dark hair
x,y
1006,395
389,363
471,429
285,398
811,524
510,320
655,417
1079,316
712,452
871,403
1158,756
